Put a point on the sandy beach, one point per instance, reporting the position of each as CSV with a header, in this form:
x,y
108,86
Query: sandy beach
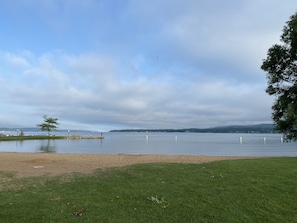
x,y
38,164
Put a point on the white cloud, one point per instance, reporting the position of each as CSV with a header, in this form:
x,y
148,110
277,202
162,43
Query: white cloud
x,y
154,64
88,89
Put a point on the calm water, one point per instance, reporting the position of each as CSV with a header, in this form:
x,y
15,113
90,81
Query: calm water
x,y
161,143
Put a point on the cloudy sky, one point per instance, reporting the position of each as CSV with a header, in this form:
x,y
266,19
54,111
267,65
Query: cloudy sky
x,y
116,64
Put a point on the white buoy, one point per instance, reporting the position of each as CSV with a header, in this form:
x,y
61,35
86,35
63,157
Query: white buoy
x,y
240,140
282,140
175,138
147,138
264,140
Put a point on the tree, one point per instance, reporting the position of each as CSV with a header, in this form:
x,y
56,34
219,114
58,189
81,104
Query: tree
x,y
281,72
49,124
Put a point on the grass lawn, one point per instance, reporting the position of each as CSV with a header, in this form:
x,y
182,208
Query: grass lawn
x,y
34,137
46,137
256,190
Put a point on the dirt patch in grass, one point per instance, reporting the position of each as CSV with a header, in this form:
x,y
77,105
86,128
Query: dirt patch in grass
x,y
39,164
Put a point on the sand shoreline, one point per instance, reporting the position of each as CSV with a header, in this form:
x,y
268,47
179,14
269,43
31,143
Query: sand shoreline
x,y
38,164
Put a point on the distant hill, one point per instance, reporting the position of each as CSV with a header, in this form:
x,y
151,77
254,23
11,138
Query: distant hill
x,y
261,128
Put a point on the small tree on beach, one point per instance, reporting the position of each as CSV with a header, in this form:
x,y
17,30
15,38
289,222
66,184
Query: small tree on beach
x,y
49,124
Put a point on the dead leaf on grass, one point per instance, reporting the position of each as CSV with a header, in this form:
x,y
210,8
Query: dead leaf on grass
x,y
79,212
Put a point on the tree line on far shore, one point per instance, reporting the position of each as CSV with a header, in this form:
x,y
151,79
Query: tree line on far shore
x,y
262,128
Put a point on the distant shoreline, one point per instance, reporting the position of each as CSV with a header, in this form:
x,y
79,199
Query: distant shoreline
x,y
261,128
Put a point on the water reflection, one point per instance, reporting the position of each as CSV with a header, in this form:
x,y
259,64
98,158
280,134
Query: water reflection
x,y
162,143
18,143
48,146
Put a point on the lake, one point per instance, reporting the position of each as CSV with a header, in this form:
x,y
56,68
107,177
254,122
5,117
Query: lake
x,y
213,144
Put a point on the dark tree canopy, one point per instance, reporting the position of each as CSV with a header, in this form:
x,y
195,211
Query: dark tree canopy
x,y
49,124
281,72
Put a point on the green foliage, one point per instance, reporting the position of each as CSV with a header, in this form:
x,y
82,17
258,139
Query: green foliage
x,y
49,124
255,190
281,68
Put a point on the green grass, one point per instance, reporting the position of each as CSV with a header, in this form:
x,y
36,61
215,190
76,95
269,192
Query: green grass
x,y
256,190
34,137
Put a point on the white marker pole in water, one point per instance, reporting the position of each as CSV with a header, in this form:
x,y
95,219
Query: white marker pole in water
x,y
264,140
282,140
175,138
147,138
240,139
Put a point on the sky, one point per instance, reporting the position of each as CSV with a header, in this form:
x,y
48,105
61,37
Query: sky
x,y
131,64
